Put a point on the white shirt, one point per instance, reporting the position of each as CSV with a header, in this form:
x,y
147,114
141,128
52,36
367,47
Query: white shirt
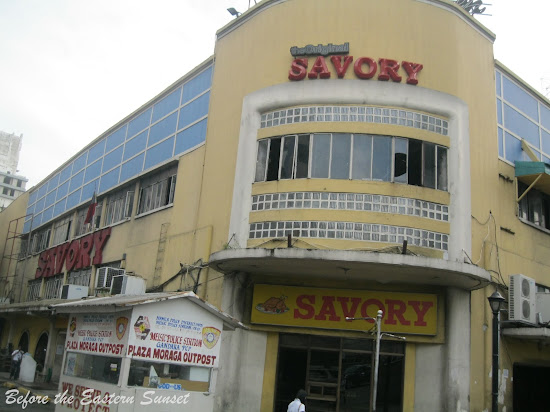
x,y
16,355
296,406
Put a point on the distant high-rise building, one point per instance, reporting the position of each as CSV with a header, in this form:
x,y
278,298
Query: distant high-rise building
x,y
11,184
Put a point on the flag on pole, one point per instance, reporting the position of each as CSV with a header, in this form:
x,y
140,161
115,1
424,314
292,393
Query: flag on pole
x,y
91,210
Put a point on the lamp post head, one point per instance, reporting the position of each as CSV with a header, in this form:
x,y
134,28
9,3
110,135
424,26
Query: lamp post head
x,y
233,12
496,301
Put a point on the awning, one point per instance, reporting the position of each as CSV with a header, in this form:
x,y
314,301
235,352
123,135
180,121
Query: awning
x,y
534,174
116,303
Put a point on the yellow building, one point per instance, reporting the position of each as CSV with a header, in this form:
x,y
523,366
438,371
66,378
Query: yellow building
x,y
332,159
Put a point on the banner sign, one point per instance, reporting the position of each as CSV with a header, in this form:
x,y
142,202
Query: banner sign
x,y
404,313
98,334
183,335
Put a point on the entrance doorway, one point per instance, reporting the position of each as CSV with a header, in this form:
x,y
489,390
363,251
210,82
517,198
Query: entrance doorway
x,y
338,373
40,352
530,386
24,342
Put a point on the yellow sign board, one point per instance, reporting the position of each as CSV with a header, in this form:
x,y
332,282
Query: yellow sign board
x,y
406,313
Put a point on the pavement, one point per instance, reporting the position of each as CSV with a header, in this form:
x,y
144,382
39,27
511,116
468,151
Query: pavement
x,y
49,389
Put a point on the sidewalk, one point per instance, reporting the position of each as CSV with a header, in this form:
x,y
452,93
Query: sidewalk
x,y
36,388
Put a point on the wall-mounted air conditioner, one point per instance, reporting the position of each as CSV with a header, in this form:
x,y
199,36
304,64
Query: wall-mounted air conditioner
x,y
522,300
543,306
74,292
104,276
127,285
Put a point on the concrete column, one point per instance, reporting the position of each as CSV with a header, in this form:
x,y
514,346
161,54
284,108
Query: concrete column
x,y
52,347
457,370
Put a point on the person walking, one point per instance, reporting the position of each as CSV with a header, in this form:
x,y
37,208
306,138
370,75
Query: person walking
x,y
16,358
297,405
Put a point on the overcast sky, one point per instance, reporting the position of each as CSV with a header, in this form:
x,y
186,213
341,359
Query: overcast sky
x,y
70,69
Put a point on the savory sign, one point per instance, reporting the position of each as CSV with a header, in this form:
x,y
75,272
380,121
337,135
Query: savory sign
x,y
406,313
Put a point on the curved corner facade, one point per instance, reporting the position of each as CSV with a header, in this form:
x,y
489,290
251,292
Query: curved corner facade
x,y
332,161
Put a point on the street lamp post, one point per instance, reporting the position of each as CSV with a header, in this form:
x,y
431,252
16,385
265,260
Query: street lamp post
x,y
495,301
379,336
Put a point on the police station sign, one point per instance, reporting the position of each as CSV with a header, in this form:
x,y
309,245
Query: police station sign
x,y
185,335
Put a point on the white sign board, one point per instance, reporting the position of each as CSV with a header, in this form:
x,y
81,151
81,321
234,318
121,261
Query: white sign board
x,y
175,332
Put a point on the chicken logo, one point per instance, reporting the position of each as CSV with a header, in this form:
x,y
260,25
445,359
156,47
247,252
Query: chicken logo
x,y
273,306
210,336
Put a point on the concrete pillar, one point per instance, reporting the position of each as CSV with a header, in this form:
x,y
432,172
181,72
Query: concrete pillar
x,y
457,368
52,346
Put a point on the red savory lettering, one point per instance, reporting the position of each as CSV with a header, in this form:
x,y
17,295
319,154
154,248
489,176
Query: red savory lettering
x,y
308,308
388,69
420,308
396,309
412,70
60,254
327,309
341,68
100,238
358,68
349,313
42,262
72,255
371,302
86,244
319,68
298,69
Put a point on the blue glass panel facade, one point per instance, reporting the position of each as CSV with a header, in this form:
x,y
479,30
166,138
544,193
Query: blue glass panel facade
x,y
50,199
545,141
96,152
131,168
162,129
112,159
521,126
159,153
59,207
73,199
190,137
79,163
500,143
47,214
53,183
545,116
197,85
499,112
139,123
101,164
116,138
27,227
498,84
66,173
93,171
37,220
62,190
76,181
88,190
520,99
136,145
109,180
194,111
167,105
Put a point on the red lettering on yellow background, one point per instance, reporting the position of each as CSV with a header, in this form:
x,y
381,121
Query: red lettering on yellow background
x,y
396,309
319,68
341,68
388,69
298,69
328,310
349,313
310,310
370,302
358,68
412,70
420,311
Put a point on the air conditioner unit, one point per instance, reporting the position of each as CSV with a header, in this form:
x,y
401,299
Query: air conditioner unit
x,y
522,300
127,285
74,292
543,307
105,275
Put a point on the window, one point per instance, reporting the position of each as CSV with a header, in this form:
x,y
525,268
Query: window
x,y
61,230
81,227
154,375
157,191
40,240
119,206
5,191
96,368
19,183
7,180
33,290
52,287
534,207
80,277
352,156
23,248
